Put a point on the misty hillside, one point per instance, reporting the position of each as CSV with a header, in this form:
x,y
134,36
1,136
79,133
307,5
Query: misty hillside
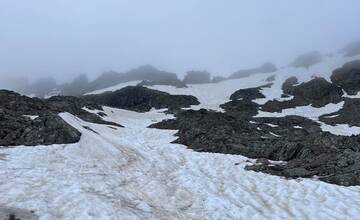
x,y
179,110
181,147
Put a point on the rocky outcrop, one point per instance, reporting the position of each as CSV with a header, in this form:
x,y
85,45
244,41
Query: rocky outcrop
x,y
317,92
299,141
348,77
44,130
306,150
249,93
141,99
24,105
244,108
288,85
349,114
75,106
32,121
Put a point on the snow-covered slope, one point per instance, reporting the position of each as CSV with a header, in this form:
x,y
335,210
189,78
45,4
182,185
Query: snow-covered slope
x,y
135,173
213,94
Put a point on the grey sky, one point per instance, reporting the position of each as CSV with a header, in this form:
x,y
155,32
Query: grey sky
x,y
63,38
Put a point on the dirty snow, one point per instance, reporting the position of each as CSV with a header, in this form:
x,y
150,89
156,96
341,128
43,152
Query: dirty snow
x,y
135,173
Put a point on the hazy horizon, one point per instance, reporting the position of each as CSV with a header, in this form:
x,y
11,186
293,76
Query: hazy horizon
x,y
65,38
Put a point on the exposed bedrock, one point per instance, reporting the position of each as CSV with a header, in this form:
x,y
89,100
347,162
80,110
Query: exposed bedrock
x,y
141,99
306,150
32,121
44,130
299,141
317,92
349,114
249,93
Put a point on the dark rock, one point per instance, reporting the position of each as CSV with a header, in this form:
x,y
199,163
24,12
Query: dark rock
x,y
44,130
142,99
307,60
317,92
47,128
249,93
298,172
307,150
288,85
348,77
75,105
244,108
349,114
265,68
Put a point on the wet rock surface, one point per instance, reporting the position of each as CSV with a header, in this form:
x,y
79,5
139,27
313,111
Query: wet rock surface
x,y
141,99
32,121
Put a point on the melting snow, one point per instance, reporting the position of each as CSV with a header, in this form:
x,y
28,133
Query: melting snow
x,y
135,173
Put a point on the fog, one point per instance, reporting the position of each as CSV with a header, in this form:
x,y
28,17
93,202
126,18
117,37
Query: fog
x,y
64,38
